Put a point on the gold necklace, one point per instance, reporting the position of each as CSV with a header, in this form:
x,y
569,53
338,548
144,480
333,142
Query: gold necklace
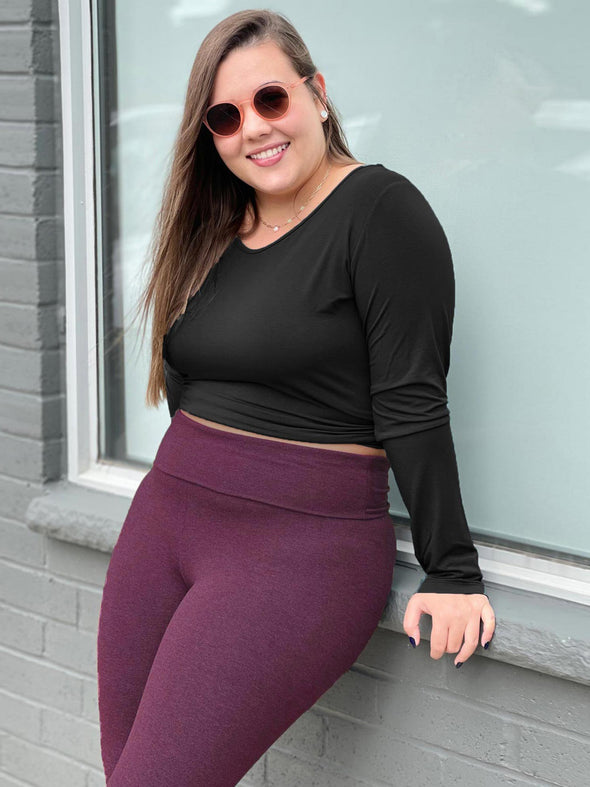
x,y
276,227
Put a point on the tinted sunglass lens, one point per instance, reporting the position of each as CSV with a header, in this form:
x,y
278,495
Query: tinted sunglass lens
x,y
224,119
272,101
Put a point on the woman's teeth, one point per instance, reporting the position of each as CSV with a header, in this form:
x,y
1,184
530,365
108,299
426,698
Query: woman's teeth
x,y
269,153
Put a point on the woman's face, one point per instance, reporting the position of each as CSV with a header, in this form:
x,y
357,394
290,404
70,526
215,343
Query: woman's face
x,y
244,70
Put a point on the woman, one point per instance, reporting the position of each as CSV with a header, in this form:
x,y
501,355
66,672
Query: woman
x,y
302,316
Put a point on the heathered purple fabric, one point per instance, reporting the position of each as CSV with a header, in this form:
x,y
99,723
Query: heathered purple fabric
x,y
248,577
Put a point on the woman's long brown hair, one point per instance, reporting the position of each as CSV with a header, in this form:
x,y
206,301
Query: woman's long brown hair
x,y
204,204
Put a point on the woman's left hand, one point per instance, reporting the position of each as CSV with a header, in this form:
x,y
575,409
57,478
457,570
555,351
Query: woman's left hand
x,y
455,622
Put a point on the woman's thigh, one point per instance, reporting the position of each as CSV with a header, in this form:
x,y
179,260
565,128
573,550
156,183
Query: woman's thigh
x,y
278,604
142,590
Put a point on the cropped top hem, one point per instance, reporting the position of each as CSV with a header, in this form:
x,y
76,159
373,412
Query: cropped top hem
x,y
307,435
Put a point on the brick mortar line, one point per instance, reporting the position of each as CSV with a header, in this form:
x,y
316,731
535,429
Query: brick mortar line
x,y
36,123
36,704
50,750
43,570
324,764
28,24
35,304
329,712
49,75
18,782
31,614
46,662
23,25
379,726
444,754
23,482
39,399
33,169
39,440
32,73
514,716
12,521
320,761
10,214
460,699
502,771
447,754
24,392
31,262
36,351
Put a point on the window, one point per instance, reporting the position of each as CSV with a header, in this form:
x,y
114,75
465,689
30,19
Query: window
x,y
484,107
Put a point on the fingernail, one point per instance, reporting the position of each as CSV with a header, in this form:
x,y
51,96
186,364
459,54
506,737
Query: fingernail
x,y
412,641
458,664
486,646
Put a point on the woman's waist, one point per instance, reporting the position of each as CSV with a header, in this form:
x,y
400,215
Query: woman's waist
x,y
356,448
321,420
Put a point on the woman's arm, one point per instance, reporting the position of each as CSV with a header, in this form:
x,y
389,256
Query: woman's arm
x,y
425,469
404,287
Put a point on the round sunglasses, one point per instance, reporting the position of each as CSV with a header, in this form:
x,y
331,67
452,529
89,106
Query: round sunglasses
x,y
270,102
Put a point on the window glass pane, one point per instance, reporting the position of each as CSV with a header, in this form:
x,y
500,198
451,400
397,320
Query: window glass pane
x,y
485,106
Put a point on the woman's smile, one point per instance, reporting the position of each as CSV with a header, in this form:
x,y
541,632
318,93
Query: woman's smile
x,y
270,156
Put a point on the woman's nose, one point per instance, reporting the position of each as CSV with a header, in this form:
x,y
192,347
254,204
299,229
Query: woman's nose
x,y
254,126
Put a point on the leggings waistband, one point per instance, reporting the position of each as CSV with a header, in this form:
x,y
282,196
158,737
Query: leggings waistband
x,y
314,480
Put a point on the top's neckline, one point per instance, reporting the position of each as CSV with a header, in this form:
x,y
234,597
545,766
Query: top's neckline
x,y
246,249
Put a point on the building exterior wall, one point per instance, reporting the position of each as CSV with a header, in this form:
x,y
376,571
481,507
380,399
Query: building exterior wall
x,y
397,718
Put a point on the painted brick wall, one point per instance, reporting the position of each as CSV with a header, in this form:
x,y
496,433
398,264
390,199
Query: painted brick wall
x,y
397,718
46,682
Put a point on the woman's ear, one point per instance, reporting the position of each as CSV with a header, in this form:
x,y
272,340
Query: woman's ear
x,y
321,84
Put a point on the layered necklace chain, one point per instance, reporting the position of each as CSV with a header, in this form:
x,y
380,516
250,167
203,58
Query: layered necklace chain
x,y
276,227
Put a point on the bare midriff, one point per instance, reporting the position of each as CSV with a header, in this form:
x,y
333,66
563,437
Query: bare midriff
x,y
354,448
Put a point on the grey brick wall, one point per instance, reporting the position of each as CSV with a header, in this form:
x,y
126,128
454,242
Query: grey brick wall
x,y
45,612
397,718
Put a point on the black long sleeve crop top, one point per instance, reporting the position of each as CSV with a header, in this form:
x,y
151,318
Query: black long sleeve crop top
x,y
339,331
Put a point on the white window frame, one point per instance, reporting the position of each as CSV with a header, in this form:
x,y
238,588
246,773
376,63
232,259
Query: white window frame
x,y
76,53
503,567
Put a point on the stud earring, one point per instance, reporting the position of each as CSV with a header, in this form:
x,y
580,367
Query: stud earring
x,y
324,113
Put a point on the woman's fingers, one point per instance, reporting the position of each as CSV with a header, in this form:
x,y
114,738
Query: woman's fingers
x,y
489,624
412,619
456,622
471,634
438,636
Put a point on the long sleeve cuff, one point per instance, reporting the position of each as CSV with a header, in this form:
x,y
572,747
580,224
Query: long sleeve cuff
x,y
425,468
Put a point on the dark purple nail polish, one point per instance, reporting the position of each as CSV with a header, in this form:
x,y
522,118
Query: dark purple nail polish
x,y
412,641
486,646
458,664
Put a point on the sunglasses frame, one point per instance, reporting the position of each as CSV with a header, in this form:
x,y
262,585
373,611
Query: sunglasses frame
x,y
288,88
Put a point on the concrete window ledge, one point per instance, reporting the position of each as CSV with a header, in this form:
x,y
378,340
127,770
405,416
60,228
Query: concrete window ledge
x,y
78,514
533,630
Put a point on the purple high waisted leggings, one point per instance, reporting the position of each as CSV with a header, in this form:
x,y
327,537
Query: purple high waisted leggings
x,y
247,578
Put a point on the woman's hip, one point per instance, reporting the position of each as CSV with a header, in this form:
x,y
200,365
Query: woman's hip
x,y
288,475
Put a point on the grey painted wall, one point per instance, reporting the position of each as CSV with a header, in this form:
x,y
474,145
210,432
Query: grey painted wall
x,y
397,718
